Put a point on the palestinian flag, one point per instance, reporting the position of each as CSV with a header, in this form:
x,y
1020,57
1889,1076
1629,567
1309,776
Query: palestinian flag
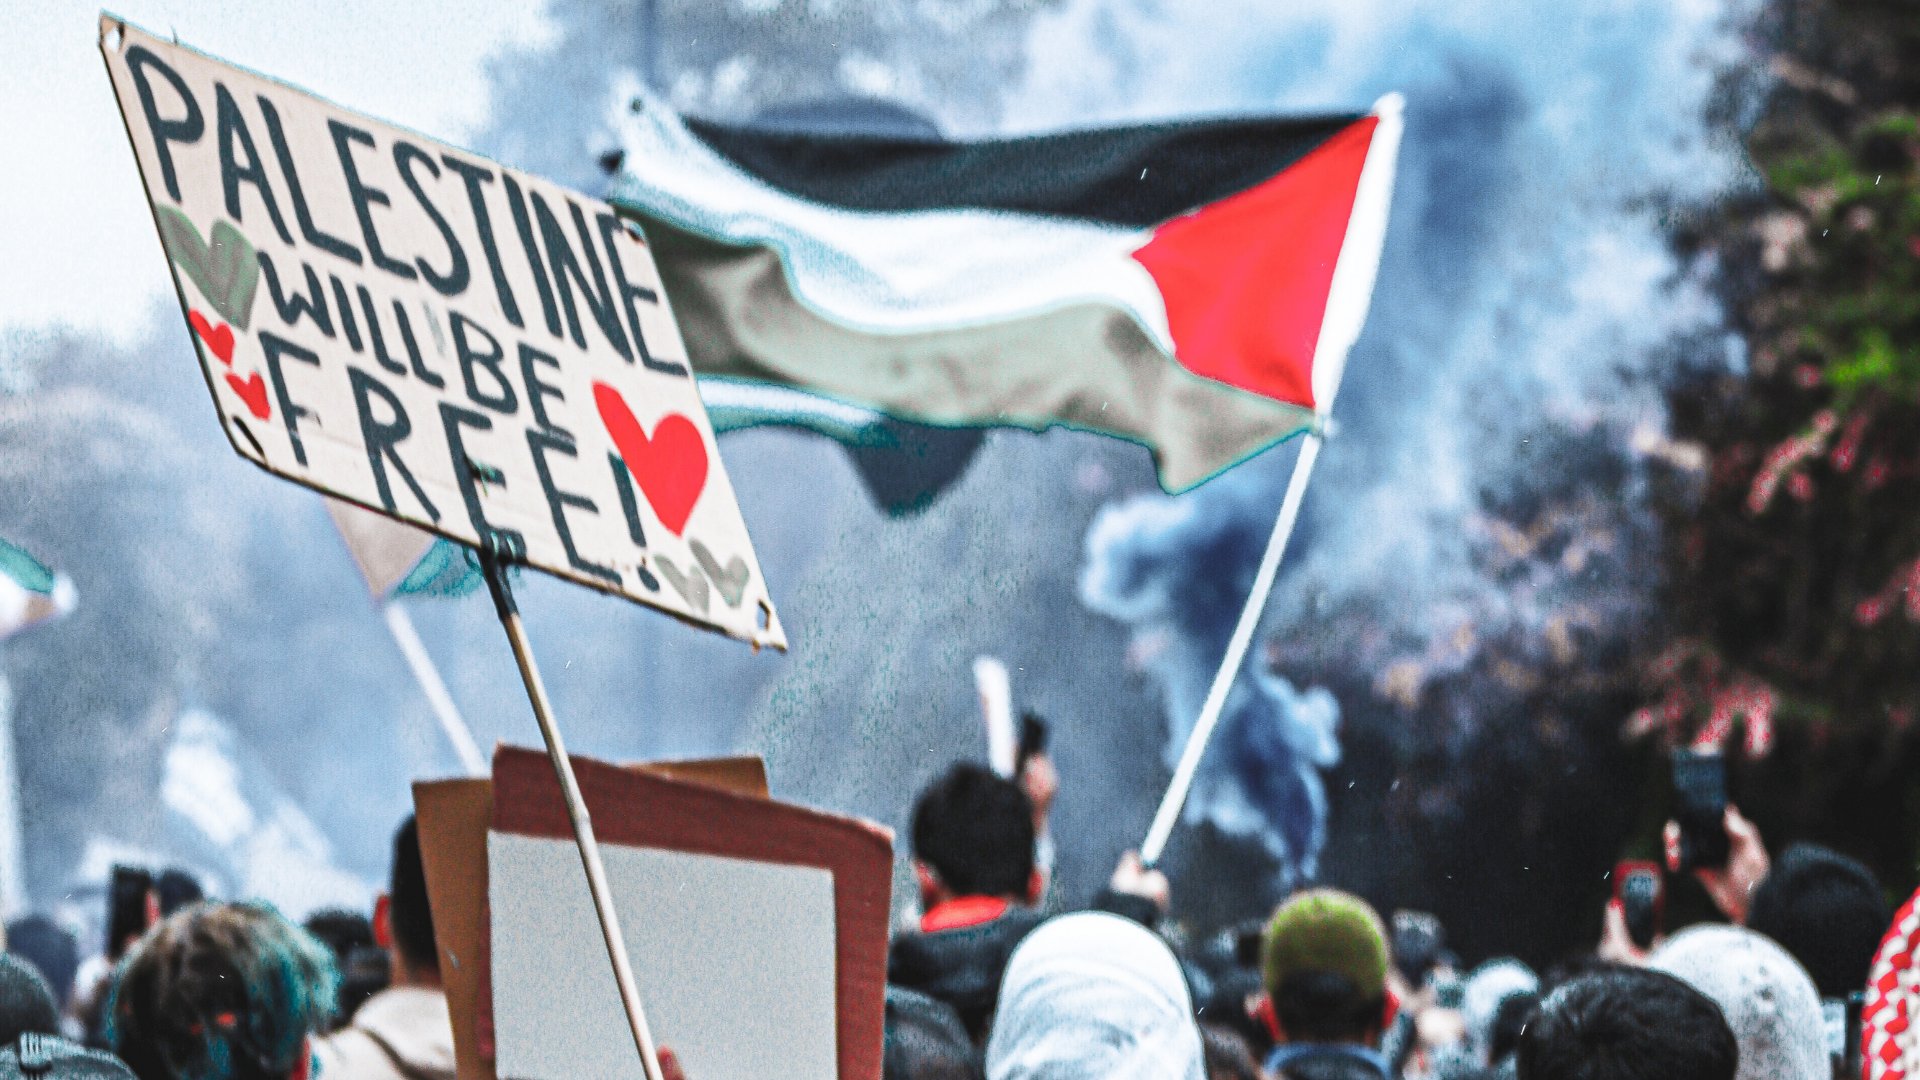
x,y
29,592
1193,286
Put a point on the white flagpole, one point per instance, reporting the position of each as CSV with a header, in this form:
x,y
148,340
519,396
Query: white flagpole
x,y
1169,813
400,625
1349,294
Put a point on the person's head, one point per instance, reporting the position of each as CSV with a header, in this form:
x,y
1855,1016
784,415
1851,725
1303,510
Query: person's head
x,y
221,992
50,948
1488,989
402,919
1627,1024
364,967
973,836
131,908
175,889
1825,909
26,1001
1094,996
1226,1054
925,1040
1509,1020
1323,963
1766,996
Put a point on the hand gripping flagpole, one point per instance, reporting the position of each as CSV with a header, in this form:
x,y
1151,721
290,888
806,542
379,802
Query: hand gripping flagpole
x,y
1347,299
503,602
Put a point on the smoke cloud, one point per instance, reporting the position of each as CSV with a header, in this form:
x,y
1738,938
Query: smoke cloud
x,y
1485,503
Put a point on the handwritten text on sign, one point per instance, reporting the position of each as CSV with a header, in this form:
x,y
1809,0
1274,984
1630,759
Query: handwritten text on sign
x,y
465,347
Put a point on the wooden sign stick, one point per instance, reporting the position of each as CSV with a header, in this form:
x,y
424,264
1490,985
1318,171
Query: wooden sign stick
x,y
509,611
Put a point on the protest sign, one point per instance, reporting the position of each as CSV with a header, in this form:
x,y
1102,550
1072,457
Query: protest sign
x,y
415,329
652,820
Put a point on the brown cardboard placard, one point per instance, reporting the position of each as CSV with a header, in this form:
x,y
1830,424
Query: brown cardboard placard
x,y
454,816
648,811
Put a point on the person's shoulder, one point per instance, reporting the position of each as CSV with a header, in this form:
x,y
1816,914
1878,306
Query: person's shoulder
x,y
350,1054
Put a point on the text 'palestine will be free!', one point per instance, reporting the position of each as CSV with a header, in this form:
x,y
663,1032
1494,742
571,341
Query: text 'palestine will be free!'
x,y
419,330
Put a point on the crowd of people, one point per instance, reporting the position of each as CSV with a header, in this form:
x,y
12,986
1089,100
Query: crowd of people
x,y
990,979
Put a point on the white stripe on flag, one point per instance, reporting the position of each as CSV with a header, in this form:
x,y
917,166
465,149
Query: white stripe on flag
x,y
885,272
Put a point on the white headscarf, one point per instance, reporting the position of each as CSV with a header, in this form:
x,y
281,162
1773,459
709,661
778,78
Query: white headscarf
x,y
1094,997
1767,997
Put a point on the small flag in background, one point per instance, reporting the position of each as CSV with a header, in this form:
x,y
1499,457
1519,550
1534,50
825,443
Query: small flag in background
x,y
399,560
29,592
1193,286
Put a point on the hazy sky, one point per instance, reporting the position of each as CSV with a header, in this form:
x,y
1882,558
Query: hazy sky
x,y
78,243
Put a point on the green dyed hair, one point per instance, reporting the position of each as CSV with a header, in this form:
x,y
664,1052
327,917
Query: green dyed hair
x,y
221,992
1327,931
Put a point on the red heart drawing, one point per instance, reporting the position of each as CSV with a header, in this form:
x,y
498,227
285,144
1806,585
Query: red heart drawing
x,y
253,391
218,338
670,467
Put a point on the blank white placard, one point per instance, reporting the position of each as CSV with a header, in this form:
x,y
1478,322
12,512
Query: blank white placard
x,y
734,960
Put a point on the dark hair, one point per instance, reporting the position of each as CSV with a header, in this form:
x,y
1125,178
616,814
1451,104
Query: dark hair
x,y
1326,1007
220,992
340,930
128,890
1627,1024
48,946
925,1040
1825,909
1226,1053
1509,1020
26,1001
412,915
363,967
175,889
975,830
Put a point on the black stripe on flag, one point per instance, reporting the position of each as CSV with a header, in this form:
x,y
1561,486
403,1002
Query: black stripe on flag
x,y
1135,177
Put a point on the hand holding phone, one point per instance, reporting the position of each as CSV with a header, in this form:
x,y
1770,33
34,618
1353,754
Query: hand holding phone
x,y
1700,809
1731,885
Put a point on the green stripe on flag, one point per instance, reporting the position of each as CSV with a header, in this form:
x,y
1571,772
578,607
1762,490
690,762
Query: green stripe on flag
x,y
26,571
445,570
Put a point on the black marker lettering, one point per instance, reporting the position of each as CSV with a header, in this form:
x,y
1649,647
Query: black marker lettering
x,y
504,402
232,133
469,472
566,267
413,348
186,129
275,347
609,226
454,281
524,226
379,340
383,438
558,501
364,198
538,392
326,242
474,176
624,481
291,308
345,307
631,510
